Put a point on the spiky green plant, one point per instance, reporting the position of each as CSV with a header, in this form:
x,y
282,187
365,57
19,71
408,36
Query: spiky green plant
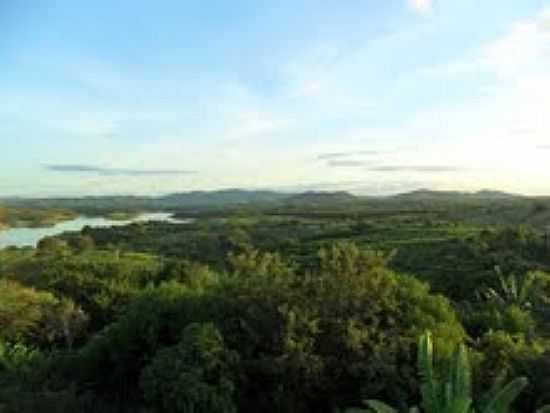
x,y
501,396
512,289
451,391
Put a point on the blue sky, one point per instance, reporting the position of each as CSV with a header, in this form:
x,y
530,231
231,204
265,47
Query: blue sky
x,y
372,96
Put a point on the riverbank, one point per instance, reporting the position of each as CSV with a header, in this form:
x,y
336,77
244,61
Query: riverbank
x,y
30,236
34,218
123,215
46,218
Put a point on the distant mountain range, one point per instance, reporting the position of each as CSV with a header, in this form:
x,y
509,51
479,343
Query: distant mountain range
x,y
237,197
312,197
222,197
483,194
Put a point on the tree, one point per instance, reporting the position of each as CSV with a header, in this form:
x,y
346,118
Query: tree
x,y
84,243
67,321
53,246
22,311
37,316
195,376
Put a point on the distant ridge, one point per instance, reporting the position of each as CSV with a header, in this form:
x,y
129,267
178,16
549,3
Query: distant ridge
x,y
317,197
241,197
486,194
222,197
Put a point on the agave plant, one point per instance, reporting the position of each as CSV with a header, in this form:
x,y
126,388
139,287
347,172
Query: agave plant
x,y
451,392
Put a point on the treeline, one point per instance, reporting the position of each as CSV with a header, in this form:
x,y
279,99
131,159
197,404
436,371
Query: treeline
x,y
481,208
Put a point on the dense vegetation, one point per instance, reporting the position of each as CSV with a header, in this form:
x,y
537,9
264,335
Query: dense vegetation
x,y
311,304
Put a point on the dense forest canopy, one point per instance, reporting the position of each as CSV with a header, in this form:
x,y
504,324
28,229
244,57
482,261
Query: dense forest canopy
x,y
315,304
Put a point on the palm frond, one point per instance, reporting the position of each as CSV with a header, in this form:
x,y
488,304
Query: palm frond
x,y
504,396
527,286
380,407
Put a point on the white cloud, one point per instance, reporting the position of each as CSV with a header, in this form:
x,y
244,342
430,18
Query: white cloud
x,y
488,132
524,49
421,6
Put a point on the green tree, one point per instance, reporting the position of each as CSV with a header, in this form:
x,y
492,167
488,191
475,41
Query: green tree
x,y
37,316
53,246
195,376
84,243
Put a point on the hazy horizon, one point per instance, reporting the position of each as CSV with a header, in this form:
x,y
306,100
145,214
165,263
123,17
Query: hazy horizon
x,y
374,98
291,190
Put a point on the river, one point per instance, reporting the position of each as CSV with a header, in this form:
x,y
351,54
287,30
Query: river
x,y
29,237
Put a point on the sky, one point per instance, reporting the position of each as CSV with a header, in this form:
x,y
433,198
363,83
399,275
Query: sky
x,y
369,96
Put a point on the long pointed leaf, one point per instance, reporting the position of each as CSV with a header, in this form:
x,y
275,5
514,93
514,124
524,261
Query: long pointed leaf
x,y
504,398
380,407
429,387
461,374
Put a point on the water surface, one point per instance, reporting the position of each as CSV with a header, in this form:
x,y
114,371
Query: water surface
x,y
29,237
